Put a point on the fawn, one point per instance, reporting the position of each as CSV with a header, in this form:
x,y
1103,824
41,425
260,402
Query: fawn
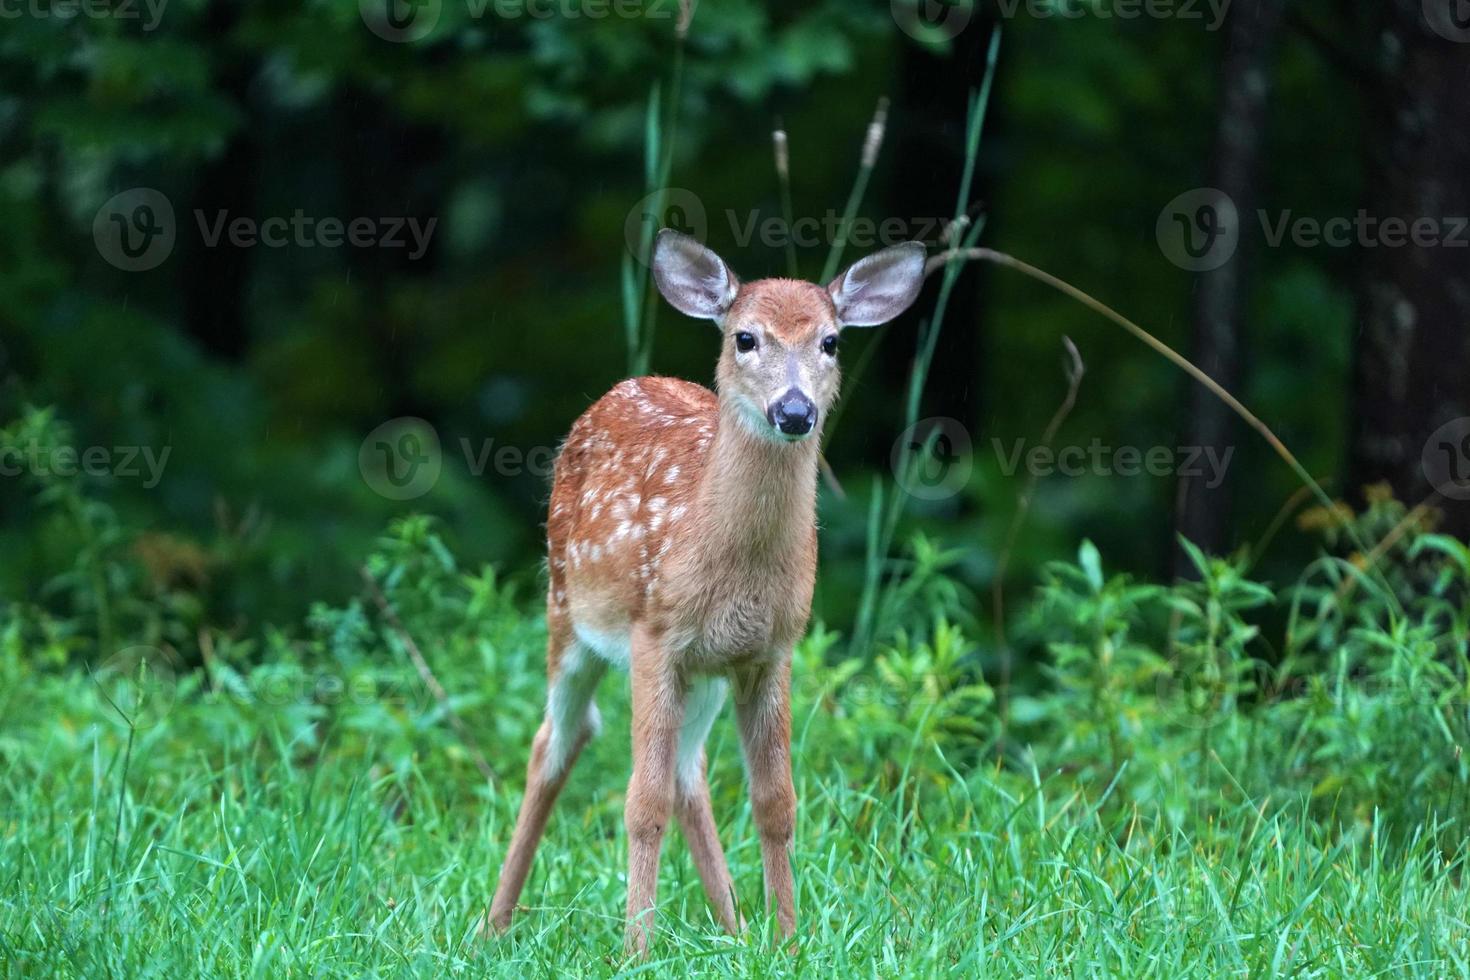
x,y
682,546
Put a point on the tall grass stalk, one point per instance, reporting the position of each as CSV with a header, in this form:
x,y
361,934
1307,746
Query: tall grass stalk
x,y
886,510
660,127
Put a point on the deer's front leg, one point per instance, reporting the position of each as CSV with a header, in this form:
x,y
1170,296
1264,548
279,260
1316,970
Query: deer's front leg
x,y
658,712
764,712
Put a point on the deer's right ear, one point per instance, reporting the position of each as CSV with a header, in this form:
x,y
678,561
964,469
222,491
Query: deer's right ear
x,y
694,280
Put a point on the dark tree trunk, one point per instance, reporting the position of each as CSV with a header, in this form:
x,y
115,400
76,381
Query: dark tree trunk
x,y
926,138
214,280
1202,513
1411,372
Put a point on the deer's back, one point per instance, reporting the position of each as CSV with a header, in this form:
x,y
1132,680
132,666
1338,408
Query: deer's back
x,y
624,484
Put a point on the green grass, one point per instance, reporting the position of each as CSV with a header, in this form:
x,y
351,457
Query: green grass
x,y
251,831
300,805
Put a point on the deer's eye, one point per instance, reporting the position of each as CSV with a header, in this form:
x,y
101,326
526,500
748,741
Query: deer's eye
x,y
829,345
744,342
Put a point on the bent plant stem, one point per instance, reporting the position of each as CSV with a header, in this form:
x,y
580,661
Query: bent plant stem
x,y
1173,356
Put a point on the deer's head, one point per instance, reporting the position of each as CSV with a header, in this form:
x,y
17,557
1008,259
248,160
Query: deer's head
x,y
778,360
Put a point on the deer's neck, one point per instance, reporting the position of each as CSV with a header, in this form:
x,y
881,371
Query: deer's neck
x,y
758,497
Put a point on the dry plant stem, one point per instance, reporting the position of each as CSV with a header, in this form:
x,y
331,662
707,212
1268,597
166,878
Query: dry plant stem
x,y
426,674
1173,356
1075,371
872,144
782,152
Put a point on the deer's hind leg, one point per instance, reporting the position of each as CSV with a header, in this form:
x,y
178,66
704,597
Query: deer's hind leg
x,y
705,697
571,719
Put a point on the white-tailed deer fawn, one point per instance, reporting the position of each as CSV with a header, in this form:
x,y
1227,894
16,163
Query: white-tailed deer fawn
x,y
682,546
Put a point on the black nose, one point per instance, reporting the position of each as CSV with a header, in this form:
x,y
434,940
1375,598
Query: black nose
x,y
793,413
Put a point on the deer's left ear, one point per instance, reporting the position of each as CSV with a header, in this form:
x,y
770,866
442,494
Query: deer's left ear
x,y
878,288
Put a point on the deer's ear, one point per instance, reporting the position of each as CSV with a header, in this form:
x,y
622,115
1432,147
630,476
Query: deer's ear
x,y
878,288
693,279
